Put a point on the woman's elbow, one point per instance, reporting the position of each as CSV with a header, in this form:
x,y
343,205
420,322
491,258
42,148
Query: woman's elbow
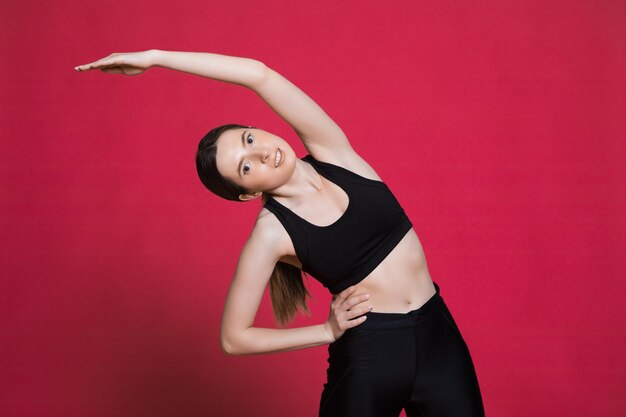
x,y
262,72
233,347
227,347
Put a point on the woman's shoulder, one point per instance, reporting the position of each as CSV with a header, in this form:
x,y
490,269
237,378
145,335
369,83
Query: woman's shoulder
x,y
267,225
271,231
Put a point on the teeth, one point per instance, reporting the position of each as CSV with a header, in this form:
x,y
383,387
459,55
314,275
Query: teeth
x,y
277,158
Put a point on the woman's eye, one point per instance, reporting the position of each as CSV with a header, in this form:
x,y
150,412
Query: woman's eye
x,y
249,140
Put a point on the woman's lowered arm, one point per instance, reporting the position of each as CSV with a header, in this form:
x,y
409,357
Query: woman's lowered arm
x,y
238,335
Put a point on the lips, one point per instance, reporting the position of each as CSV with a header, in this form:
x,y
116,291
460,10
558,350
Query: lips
x,y
278,158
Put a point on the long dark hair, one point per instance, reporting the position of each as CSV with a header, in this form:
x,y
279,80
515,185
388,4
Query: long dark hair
x,y
287,290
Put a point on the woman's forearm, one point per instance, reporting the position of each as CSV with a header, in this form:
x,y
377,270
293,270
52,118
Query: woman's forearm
x,y
246,72
256,340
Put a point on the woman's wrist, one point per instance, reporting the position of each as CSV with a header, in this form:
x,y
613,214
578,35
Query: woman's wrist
x,y
156,57
329,332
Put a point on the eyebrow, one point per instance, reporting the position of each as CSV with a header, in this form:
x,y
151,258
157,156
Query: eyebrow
x,y
243,143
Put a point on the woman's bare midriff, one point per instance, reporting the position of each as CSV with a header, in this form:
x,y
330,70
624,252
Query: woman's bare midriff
x,y
400,283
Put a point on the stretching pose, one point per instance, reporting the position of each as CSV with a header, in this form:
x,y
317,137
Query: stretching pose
x,y
392,342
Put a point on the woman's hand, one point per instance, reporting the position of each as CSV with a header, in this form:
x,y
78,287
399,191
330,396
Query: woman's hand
x,y
345,307
131,63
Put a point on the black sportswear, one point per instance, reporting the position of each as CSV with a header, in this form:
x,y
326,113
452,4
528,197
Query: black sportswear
x,y
346,251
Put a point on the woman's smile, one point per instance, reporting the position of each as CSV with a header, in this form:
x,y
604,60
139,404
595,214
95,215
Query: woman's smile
x,y
278,159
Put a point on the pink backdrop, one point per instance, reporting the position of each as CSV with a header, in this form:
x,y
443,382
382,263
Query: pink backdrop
x,y
500,126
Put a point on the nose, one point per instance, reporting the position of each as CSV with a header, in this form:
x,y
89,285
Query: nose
x,y
263,154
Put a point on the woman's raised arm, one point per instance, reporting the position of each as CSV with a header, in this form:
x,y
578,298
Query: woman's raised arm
x,y
318,132
241,71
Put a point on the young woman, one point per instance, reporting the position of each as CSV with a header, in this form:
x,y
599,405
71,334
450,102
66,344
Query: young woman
x,y
393,343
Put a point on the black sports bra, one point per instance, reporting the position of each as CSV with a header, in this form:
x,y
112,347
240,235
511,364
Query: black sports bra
x,y
343,253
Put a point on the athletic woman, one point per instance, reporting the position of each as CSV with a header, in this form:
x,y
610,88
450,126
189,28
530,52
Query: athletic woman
x,y
392,342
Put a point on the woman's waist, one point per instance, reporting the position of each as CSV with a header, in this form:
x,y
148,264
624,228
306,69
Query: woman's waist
x,y
397,292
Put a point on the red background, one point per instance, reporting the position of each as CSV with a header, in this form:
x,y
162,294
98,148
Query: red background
x,y
500,127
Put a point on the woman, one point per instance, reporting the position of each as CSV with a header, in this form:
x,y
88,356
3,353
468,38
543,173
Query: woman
x,y
393,343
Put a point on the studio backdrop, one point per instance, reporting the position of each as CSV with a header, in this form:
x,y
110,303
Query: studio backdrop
x,y
499,126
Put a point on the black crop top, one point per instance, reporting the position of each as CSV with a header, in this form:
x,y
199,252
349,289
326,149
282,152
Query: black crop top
x,y
343,253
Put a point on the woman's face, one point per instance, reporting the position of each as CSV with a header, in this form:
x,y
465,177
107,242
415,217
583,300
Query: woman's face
x,y
248,158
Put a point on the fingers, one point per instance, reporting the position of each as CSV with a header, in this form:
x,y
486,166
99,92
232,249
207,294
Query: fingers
x,y
351,306
348,301
113,70
348,310
353,323
341,297
354,301
97,65
362,309
111,60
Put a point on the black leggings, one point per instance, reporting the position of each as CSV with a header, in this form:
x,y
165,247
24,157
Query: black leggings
x,y
417,361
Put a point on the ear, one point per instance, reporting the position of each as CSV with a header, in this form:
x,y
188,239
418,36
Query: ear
x,y
246,197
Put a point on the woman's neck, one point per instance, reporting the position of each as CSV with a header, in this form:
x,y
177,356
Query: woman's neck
x,y
304,182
